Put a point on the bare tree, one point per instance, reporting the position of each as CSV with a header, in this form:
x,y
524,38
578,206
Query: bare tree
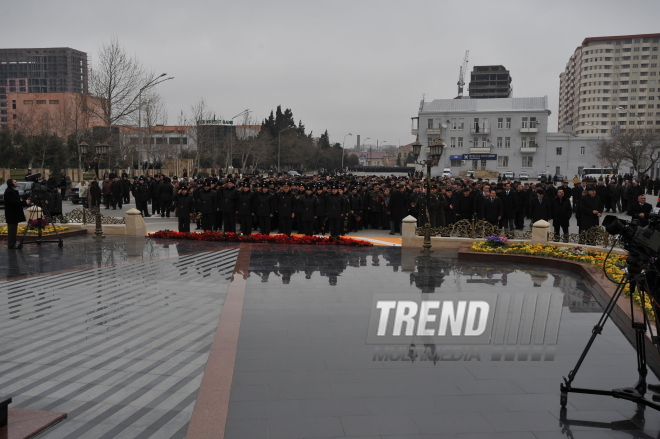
x,y
199,111
640,148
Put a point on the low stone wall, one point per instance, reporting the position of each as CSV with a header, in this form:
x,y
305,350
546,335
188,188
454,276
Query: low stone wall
x,y
539,236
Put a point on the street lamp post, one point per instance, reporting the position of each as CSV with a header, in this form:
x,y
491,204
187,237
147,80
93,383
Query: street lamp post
x,y
149,85
101,152
343,150
279,145
435,153
231,146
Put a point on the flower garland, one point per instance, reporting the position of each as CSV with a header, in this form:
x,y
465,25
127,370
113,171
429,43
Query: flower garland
x,y
613,268
260,238
47,230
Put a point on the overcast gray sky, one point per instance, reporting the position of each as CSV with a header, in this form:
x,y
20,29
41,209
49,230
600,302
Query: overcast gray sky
x,y
356,67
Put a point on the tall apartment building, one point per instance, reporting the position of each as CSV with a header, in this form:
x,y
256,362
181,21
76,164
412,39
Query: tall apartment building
x,y
611,84
40,70
489,82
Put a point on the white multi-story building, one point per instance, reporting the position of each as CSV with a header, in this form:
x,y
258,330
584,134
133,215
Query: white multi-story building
x,y
610,84
500,135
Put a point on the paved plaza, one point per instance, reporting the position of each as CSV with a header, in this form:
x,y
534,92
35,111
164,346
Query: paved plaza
x,y
142,338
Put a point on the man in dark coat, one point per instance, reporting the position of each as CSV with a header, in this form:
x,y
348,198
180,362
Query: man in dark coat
x,y
540,207
13,211
141,193
284,204
591,209
615,196
561,211
183,204
206,206
126,188
117,190
335,210
492,209
319,223
450,208
640,210
509,204
306,206
165,194
522,204
155,195
264,208
465,205
398,207
227,204
245,202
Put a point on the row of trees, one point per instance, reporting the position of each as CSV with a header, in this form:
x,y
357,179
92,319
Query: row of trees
x,y
122,95
640,149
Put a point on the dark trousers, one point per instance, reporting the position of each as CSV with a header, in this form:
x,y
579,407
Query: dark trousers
x,y
558,224
155,207
246,224
229,222
307,227
143,207
207,221
520,219
508,223
285,224
264,225
319,225
335,226
127,198
165,208
217,221
116,201
395,226
11,234
184,225
107,200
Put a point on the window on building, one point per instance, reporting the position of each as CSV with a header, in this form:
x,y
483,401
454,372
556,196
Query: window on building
x,y
582,150
453,123
13,105
502,161
559,150
452,142
484,142
524,122
523,142
41,102
508,123
532,142
455,163
429,124
507,142
460,142
27,102
499,142
54,102
527,161
532,122
500,123
461,123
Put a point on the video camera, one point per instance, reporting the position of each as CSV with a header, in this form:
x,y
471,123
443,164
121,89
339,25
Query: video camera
x,y
639,237
39,189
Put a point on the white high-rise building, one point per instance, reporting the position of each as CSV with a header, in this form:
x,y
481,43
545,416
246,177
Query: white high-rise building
x,y
611,84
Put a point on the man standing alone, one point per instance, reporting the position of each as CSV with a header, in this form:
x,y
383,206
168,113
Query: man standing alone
x,y
13,211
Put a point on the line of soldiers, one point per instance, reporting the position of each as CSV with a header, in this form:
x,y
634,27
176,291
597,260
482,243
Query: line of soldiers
x,y
339,205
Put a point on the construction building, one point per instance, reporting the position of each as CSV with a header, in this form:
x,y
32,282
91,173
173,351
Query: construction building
x,y
40,70
610,85
489,82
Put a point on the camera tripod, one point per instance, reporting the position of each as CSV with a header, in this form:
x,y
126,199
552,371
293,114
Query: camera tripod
x,y
635,278
38,215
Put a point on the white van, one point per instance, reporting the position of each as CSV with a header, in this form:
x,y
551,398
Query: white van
x,y
446,172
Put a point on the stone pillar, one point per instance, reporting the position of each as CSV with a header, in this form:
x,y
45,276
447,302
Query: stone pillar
x,y
540,232
408,227
135,225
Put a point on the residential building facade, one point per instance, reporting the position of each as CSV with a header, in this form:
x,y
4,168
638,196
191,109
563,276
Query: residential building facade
x,y
490,82
500,135
610,84
40,70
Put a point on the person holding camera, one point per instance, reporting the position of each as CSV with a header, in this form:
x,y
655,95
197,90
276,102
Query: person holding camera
x,y
13,211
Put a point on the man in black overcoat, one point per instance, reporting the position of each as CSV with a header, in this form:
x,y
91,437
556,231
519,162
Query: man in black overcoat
x,y
13,211
591,209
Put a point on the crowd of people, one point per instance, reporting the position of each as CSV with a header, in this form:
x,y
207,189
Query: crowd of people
x,y
340,204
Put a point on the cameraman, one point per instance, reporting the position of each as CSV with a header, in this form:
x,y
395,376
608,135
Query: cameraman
x,y
13,211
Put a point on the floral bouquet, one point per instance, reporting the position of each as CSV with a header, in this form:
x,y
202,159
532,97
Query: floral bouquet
x,y
497,241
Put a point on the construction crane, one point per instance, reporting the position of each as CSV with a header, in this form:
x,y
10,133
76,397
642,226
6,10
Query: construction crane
x,y
461,81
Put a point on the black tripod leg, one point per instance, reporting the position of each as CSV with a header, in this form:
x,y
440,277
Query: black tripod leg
x,y
566,385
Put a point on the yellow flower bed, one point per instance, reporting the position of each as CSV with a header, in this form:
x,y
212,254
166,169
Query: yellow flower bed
x,y
48,230
614,267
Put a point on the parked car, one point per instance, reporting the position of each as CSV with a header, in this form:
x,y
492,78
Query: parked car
x,y
471,174
72,194
509,174
523,175
294,173
446,172
557,177
23,190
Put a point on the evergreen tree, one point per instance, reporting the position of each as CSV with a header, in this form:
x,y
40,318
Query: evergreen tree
x,y
324,140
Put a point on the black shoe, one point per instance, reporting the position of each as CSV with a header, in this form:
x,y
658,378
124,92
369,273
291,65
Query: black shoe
x,y
11,247
162,215
391,233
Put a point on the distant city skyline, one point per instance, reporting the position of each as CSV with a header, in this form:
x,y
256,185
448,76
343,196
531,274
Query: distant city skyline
x,y
348,67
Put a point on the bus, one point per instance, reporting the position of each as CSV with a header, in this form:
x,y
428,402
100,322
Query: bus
x,y
597,172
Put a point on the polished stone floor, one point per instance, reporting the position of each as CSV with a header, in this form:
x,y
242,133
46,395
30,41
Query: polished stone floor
x,y
117,333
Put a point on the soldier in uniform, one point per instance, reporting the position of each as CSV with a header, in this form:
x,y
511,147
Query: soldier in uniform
x,y
183,204
306,207
264,208
335,210
206,206
245,207
432,202
227,204
355,209
319,223
284,205
141,193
